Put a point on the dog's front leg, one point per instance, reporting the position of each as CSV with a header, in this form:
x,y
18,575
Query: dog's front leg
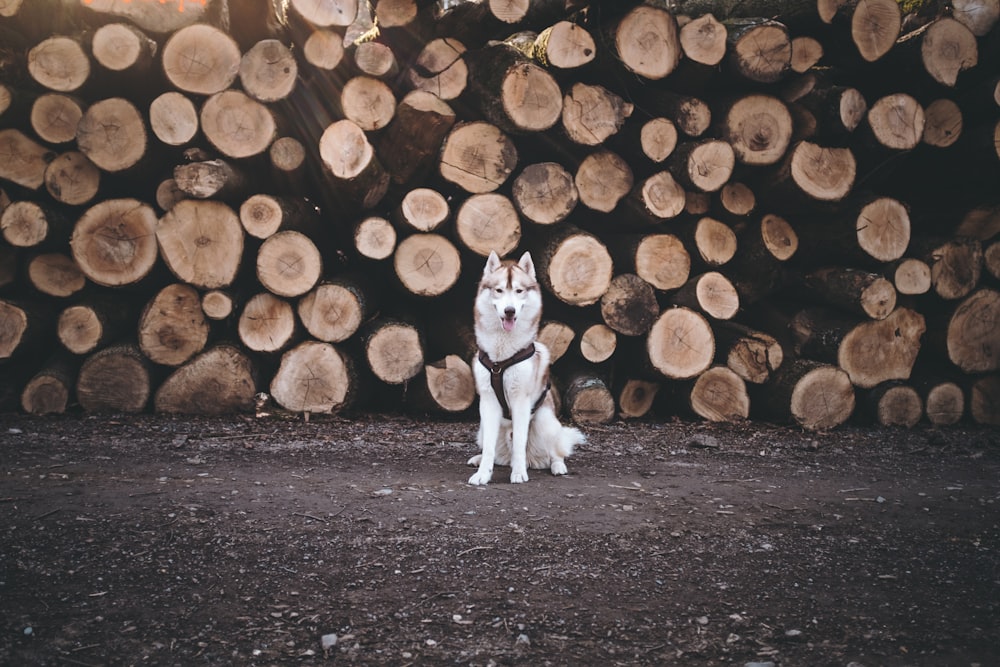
x,y
520,412
489,431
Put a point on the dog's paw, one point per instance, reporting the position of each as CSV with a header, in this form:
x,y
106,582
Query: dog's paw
x,y
558,467
474,461
518,476
480,478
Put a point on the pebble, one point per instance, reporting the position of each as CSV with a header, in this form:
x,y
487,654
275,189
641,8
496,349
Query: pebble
x,y
522,640
328,641
759,664
383,492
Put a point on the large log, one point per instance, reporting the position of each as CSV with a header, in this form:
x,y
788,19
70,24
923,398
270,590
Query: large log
x,y
267,323
114,242
545,193
586,399
814,395
201,242
680,345
647,43
334,310
314,377
118,378
237,125
220,380
629,305
289,264
487,223
112,134
971,334
59,63
201,59
477,156
574,265
514,93
427,265
719,395
393,349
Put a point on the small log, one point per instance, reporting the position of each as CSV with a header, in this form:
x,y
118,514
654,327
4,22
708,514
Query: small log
x,y
217,304
629,305
942,123
374,238
690,114
635,397
25,160
267,323
423,210
703,165
262,216
55,274
703,40
603,179
445,386
658,197
592,113
736,200
710,293
760,50
597,343
545,193
114,242
368,102
874,25
574,265
201,59
647,43
427,264
94,323
201,242
28,224
944,401
59,63
50,390
855,290
814,395
54,117
268,71
586,399
658,139
376,59
172,327
173,118
680,345
409,146
288,158
712,241
477,156
220,380
349,157
910,276
756,270
893,403
121,47
753,355
971,333
758,127
440,69
289,264
488,223
393,350
806,53
837,110
324,49
563,45
237,125
335,309
557,336
984,400
168,194
956,265
719,395
115,379
659,259
72,179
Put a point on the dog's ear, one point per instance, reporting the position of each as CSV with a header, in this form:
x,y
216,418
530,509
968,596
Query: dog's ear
x,y
527,265
492,263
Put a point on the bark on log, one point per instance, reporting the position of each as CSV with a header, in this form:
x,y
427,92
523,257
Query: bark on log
x,y
409,146
315,377
220,380
115,379
513,93
488,222
267,323
719,395
358,175
50,390
984,400
753,355
563,45
586,399
545,193
114,242
289,264
680,345
211,179
201,242
854,290
629,305
814,395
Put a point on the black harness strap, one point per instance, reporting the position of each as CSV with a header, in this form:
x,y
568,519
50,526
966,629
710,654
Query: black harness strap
x,y
497,368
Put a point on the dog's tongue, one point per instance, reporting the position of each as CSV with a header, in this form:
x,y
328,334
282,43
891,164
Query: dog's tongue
x,y
508,323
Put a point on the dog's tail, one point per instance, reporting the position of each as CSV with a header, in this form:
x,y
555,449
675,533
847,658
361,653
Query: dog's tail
x,y
569,438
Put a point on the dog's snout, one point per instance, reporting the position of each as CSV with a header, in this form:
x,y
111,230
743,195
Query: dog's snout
x,y
508,311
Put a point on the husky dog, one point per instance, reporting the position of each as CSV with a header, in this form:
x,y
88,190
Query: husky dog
x,y
518,425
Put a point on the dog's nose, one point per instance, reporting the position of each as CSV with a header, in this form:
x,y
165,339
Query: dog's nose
x,y
508,312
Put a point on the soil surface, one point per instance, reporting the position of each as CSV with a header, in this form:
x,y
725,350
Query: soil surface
x,y
154,540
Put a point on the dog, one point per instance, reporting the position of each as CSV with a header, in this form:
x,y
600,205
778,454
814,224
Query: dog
x,y
518,425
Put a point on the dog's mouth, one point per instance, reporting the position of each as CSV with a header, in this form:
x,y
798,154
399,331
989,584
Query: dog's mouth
x,y
508,322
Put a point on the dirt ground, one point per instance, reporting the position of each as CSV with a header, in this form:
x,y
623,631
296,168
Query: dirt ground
x,y
240,541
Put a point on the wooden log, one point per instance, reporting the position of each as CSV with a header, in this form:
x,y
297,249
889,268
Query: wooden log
x,y
942,123
659,259
592,113
690,114
423,210
629,305
758,127
487,223
816,172
557,336
814,395
376,59
736,200
218,381
374,238
117,378
680,345
658,138
393,349
710,293
237,125
806,53
172,326
173,118
979,16
72,179
867,230
971,332
586,399
121,47
263,215
635,397
168,194
947,47
647,43
719,395
427,265
874,24
409,146
287,156
704,165
956,265
441,69
268,71
114,242
703,39
991,260
858,291
55,274
597,343
267,323
350,158
910,276
324,49
760,50
711,241
340,13
944,401
563,45
25,159
603,179
94,322
753,355
574,265
334,310
544,193
984,400
445,386
289,264
893,403
24,328
217,304
368,102
896,122
156,17
112,134
59,63
836,110
211,179
201,59
477,157
28,224
513,93
50,389
658,197
54,117
201,242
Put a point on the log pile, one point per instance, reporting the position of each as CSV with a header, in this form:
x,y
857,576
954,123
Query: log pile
x,y
766,210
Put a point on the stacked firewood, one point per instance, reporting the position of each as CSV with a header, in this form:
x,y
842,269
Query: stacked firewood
x,y
770,210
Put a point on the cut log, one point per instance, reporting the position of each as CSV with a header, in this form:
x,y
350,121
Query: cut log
x,y
658,139
659,259
591,114
267,323
54,117
910,276
423,209
315,377
971,334
635,398
753,355
947,48
55,274
837,110
121,47
557,336
155,17
712,241
629,305
703,40
875,25
262,216
289,264
94,323
427,264
893,404
112,134
563,45
376,59
854,290
172,327
201,59
393,350
691,115
201,242
350,158
114,242
814,395
27,224
979,16
477,157
944,401
820,173
340,13
603,179
445,386
218,381
368,102
288,157
719,395
866,229
896,121
116,379
441,69
208,179
710,293
515,94
24,327
72,179
50,390
574,266
488,223
942,123
375,238
168,194
756,271
759,129
956,265
597,343
59,63
680,345
268,71
760,50
237,125
24,159
586,399
984,400
736,200
806,53
659,197
703,165
647,42
173,118
324,49
409,146
335,309
217,304
545,193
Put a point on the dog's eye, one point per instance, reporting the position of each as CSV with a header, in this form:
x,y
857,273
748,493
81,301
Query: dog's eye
x,y
499,290
520,291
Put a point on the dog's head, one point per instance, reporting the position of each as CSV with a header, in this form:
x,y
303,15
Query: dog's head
x,y
509,291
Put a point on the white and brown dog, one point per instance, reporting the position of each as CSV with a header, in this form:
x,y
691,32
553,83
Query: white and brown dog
x,y
518,425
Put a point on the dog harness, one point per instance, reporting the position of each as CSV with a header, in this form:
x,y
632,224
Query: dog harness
x,y
497,368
